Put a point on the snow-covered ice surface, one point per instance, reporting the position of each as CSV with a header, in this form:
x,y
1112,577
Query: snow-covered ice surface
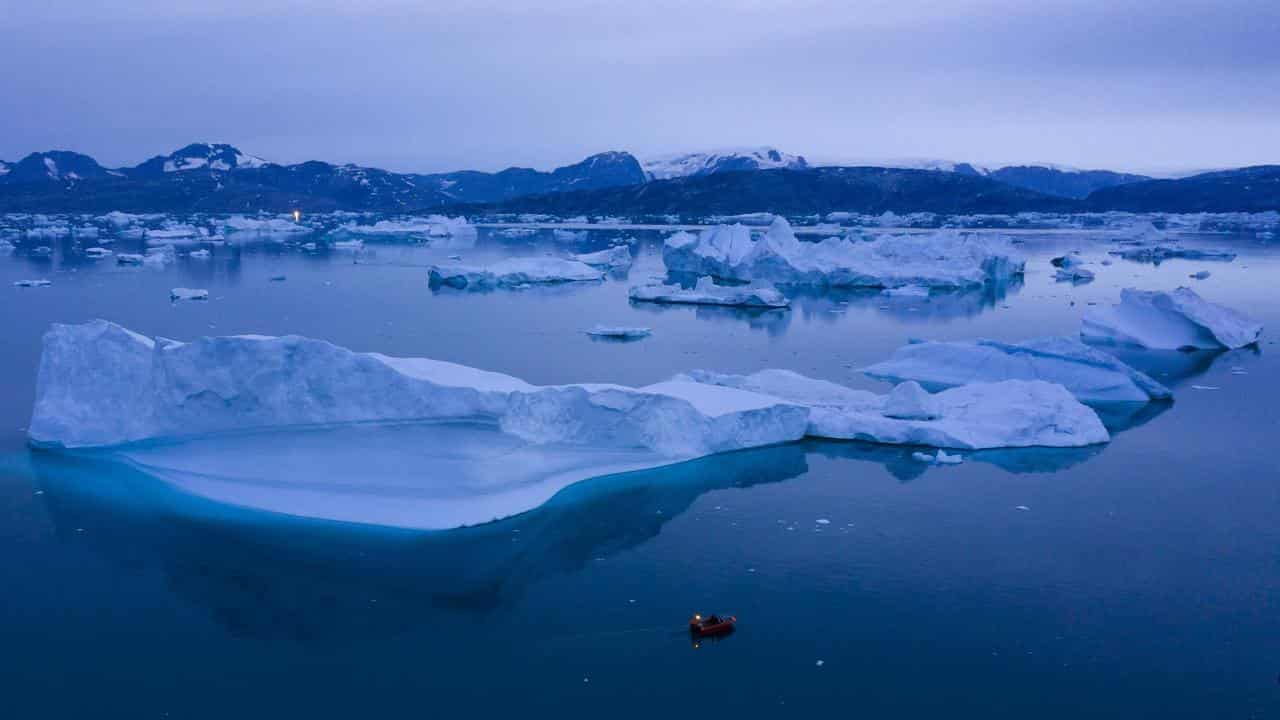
x,y
706,292
946,259
1091,375
1168,321
513,272
1006,414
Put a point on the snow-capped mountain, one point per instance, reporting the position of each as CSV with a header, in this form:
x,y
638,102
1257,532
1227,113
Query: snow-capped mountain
x,y
198,156
608,169
53,166
706,163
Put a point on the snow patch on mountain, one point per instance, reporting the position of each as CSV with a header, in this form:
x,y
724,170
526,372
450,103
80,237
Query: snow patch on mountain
x,y
705,163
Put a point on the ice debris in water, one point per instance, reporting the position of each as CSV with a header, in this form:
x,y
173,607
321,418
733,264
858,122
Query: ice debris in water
x,y
512,272
1011,413
944,259
1169,320
181,293
97,252
706,292
619,332
200,254
32,283
617,257
1199,275
1091,375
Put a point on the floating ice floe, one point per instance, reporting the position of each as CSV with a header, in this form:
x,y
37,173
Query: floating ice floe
x,y
200,254
512,272
188,294
568,236
433,226
41,251
1168,320
1011,413
614,258
706,292
262,226
97,252
619,332
945,259
100,384
32,283
1091,375
1199,275
129,259
175,232
348,245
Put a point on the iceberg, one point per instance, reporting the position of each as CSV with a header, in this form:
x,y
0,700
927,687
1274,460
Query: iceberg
x,y
512,272
614,258
263,226
181,293
100,384
945,259
1159,253
706,292
1169,321
1091,375
433,226
619,333
1009,413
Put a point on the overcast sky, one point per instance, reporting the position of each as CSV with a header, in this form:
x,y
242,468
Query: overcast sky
x,y
427,85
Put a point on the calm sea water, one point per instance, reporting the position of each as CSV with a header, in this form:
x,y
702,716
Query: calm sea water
x,y
1141,580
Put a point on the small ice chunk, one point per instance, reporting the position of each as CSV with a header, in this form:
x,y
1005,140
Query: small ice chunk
x,y
97,252
1199,275
619,332
32,283
181,293
200,254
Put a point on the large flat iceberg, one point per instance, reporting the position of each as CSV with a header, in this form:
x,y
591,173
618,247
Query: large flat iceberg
x,y
1170,321
513,272
1011,413
100,384
1091,375
945,259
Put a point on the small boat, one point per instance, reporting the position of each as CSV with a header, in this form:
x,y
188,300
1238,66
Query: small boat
x,y
701,626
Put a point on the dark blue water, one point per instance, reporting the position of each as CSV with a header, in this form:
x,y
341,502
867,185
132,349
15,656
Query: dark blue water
x,y
1142,580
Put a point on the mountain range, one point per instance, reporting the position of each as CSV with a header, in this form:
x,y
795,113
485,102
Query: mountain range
x,y
220,178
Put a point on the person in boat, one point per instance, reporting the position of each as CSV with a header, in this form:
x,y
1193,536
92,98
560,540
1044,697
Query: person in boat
x,y
713,620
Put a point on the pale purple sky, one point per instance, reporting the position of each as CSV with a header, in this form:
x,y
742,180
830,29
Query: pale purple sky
x,y
426,86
